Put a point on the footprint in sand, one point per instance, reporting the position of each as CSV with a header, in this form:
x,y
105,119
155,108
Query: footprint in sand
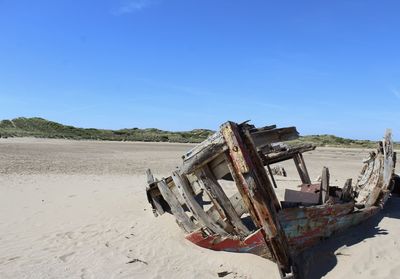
x,y
66,257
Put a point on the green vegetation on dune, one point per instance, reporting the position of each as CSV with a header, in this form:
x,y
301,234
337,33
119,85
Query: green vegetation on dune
x,y
334,141
42,128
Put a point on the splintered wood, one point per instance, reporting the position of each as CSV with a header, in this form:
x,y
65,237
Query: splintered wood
x,y
253,220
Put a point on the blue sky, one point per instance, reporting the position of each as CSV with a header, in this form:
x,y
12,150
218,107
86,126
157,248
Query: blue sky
x,y
325,66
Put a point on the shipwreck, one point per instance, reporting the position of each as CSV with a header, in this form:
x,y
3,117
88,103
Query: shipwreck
x,y
248,217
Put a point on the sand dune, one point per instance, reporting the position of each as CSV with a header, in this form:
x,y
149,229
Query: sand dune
x,y
77,209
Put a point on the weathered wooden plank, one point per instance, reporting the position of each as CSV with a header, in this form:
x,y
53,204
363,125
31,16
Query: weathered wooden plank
x,y
254,243
259,173
216,190
236,153
241,167
305,198
374,196
262,137
301,168
176,208
154,191
265,128
313,212
157,205
176,192
150,177
244,194
324,194
201,216
219,168
304,233
347,191
372,185
237,203
216,212
388,162
153,194
252,181
203,153
276,157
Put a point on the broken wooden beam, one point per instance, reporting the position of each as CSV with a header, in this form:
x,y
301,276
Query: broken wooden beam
x,y
216,190
237,203
301,168
176,208
283,155
201,216
262,137
203,153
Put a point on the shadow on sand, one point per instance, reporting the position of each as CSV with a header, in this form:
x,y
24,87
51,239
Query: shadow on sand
x,y
319,260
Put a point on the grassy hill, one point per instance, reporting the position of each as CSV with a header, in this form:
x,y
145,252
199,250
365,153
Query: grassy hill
x,y
334,141
42,128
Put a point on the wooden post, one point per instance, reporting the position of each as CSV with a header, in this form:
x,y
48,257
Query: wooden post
x,y
347,191
301,168
253,183
324,193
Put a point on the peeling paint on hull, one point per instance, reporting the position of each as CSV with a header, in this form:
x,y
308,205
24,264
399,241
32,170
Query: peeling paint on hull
x,y
278,230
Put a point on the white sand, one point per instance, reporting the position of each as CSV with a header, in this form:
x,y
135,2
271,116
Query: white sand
x,y
74,209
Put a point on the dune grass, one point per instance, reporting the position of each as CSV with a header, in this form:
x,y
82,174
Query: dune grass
x,y
42,128
334,141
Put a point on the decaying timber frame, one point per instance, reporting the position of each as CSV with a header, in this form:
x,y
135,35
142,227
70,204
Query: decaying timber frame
x,y
253,220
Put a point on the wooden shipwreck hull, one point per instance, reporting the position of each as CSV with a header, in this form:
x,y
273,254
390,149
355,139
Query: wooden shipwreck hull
x,y
249,218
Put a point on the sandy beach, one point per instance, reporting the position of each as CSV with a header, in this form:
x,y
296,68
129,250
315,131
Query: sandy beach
x,y
78,209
